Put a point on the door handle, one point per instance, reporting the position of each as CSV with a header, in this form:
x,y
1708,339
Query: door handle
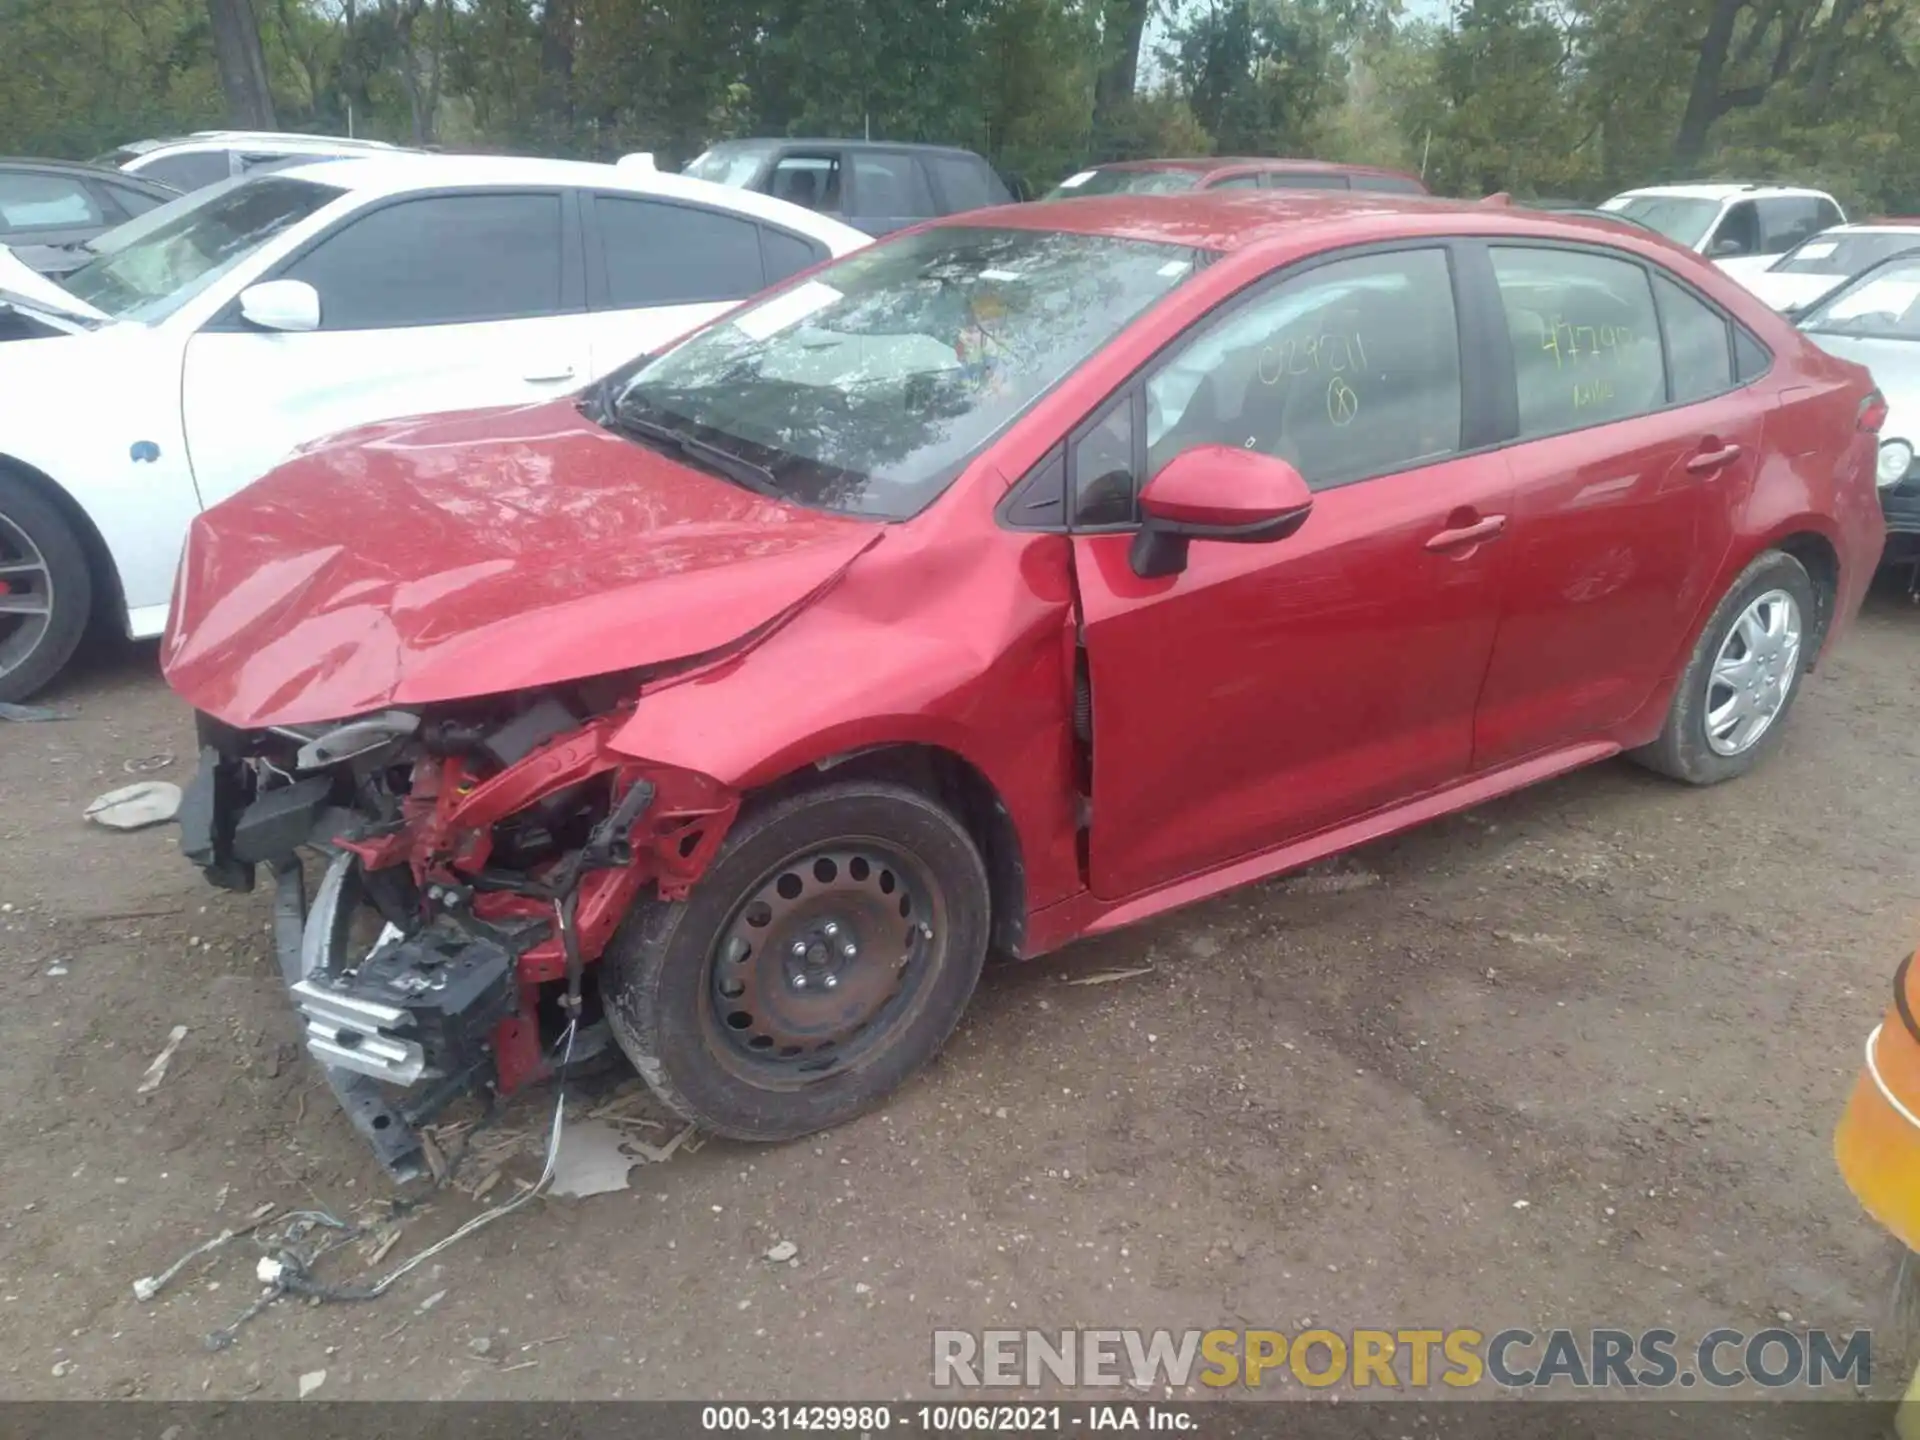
x,y
1472,534
548,377
1710,460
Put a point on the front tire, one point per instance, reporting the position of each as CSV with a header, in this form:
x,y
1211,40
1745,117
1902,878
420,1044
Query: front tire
x,y
1733,698
46,590
825,956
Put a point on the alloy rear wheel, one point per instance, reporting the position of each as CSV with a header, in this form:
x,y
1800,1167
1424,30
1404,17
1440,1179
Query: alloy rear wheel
x,y
46,591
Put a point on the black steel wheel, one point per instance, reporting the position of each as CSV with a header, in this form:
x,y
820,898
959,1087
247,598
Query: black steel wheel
x,y
825,956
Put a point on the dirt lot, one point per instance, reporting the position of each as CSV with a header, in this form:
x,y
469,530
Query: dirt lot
x,y
1633,1006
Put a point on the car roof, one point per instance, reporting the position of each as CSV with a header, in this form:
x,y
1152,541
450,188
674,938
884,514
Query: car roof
x,y
291,141
1211,164
802,142
1895,223
1231,220
405,172
1721,192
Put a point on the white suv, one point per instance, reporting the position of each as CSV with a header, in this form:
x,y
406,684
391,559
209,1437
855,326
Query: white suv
x,y
1741,228
187,162
169,372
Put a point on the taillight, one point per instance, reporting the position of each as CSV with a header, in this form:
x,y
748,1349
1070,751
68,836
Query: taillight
x,y
1873,413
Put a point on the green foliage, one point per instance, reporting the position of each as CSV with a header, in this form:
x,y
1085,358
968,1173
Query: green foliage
x,y
1571,98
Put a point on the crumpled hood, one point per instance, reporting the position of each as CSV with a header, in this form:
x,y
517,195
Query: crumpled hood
x,y
475,554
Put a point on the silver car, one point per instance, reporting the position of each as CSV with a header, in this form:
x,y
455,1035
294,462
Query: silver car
x,y
1874,320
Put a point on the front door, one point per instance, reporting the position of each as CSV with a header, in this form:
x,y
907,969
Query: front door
x,y
1629,453
1274,690
430,303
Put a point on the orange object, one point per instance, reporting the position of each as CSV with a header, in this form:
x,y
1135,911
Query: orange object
x,y
1877,1143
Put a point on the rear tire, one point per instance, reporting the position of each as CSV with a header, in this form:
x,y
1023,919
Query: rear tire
x,y
1775,589
825,956
46,589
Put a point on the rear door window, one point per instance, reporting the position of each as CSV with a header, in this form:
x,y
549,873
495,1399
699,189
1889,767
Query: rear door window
x,y
662,254
190,170
783,253
1304,180
438,260
1699,342
963,184
1586,340
891,183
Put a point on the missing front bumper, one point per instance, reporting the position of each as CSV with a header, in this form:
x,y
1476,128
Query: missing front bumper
x,y
394,1138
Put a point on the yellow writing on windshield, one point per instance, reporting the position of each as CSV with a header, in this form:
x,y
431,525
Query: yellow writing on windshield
x,y
1327,353
1568,342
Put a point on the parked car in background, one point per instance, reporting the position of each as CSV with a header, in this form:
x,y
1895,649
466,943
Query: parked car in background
x,y
1587,212
47,206
968,591
1829,259
1874,320
55,262
169,373
188,162
873,186
1221,172
1738,227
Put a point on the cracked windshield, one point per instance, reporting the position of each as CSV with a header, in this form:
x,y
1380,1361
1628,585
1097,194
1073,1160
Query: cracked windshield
x,y
867,388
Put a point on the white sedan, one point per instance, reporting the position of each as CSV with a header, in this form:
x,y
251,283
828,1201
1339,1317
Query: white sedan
x,y
1807,272
165,375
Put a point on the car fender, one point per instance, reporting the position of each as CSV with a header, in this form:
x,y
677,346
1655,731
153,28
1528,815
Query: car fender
x,y
98,416
929,646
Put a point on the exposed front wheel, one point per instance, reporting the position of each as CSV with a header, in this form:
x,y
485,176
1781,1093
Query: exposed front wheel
x,y
46,591
1743,675
824,957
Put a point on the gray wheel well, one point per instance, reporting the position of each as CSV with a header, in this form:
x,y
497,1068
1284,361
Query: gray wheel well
x,y
1822,564
941,775
109,601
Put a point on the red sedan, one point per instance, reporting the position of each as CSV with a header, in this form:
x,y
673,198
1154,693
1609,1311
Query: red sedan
x,y
1024,576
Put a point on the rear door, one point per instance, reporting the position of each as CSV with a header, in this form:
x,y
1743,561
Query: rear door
x,y
1632,452
443,301
658,268
890,191
1273,690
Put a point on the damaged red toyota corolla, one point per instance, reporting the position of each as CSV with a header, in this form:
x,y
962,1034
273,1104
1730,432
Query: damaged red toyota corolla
x,y
1018,578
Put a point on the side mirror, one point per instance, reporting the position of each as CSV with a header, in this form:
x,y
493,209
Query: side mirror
x,y
290,305
1215,492
1721,249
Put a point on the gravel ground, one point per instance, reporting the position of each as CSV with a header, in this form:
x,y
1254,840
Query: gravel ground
x,y
1633,1006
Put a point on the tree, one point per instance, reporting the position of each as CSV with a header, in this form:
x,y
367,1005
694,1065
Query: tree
x,y
243,66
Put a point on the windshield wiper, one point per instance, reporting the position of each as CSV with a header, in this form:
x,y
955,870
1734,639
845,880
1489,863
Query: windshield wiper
x,y
736,468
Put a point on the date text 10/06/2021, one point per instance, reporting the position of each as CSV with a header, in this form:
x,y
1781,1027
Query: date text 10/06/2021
x,y
942,1419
